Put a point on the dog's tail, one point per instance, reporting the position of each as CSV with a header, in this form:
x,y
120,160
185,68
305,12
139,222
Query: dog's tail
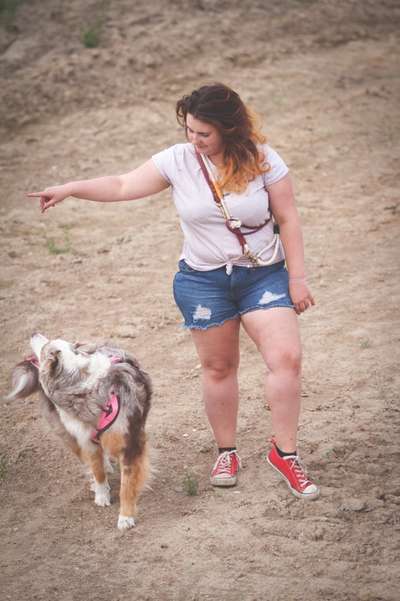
x,y
25,380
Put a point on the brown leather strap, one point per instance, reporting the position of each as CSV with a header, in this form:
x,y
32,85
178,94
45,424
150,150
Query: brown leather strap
x,y
208,179
230,223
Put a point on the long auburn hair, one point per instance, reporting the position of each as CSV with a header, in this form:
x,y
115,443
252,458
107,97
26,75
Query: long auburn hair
x,y
222,107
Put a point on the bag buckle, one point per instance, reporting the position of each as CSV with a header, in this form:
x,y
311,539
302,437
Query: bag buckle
x,y
234,224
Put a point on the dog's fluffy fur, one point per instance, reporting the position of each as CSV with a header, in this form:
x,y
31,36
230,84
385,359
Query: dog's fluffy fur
x,y
74,382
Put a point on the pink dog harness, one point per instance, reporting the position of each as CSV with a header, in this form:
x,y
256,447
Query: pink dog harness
x,y
109,412
107,416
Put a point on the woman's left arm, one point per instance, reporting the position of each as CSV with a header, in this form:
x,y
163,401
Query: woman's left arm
x,y
282,205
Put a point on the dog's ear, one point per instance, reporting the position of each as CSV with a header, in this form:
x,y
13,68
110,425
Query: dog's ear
x,y
25,380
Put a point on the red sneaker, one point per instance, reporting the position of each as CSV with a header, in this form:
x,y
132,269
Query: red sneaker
x,y
225,470
293,471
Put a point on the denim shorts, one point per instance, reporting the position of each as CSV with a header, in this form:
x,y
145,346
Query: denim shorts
x,y
209,298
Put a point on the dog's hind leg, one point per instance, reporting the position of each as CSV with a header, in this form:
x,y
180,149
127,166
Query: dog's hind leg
x,y
95,460
134,473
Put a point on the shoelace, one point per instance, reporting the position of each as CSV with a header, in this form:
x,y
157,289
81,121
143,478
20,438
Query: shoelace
x,y
224,462
299,470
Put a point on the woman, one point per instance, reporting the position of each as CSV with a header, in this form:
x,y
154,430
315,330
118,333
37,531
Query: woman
x,y
226,184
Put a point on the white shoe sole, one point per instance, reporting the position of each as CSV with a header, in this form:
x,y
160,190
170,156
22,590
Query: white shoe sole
x,y
224,482
308,496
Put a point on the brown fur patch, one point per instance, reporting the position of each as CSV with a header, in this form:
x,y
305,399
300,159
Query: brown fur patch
x,y
133,478
135,439
95,461
113,443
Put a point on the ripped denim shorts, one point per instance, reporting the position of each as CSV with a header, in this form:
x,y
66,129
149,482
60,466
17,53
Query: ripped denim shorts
x,y
209,298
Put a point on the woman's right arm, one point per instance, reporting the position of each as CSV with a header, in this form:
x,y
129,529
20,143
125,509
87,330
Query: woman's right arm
x,y
143,181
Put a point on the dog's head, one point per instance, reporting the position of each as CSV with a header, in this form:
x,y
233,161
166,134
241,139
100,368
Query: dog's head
x,y
62,364
58,354
58,364
79,377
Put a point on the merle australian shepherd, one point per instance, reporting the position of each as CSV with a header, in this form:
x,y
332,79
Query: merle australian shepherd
x,y
96,398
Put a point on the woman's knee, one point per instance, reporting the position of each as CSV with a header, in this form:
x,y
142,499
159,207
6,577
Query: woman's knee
x,y
219,369
285,360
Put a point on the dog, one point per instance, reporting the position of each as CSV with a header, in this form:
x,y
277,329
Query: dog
x,y
96,398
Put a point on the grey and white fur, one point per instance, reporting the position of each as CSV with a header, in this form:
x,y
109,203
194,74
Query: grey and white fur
x,y
74,382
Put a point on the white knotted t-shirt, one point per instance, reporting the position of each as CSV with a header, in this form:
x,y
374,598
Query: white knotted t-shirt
x,y
208,244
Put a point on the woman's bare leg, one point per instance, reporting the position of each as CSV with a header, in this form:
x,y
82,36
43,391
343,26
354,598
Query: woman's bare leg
x,y
276,334
218,350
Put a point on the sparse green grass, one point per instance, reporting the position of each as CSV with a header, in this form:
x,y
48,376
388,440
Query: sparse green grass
x,y
8,9
365,343
190,484
3,468
91,36
9,6
54,249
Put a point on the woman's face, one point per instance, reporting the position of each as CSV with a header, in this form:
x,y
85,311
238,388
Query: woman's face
x,y
205,136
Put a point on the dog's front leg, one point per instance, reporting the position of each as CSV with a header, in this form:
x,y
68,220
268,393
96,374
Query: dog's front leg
x,y
95,460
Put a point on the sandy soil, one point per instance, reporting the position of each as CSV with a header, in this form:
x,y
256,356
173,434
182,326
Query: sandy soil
x,y
325,77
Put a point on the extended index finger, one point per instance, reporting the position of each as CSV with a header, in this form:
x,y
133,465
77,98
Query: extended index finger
x,y
36,194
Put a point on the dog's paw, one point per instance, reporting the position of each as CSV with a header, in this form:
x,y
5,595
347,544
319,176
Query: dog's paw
x,y
124,522
103,500
102,494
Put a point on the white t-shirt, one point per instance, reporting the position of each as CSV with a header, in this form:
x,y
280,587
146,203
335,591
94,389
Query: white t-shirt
x,y
208,244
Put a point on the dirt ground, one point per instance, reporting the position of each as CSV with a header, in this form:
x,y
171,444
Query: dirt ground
x,y
325,77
